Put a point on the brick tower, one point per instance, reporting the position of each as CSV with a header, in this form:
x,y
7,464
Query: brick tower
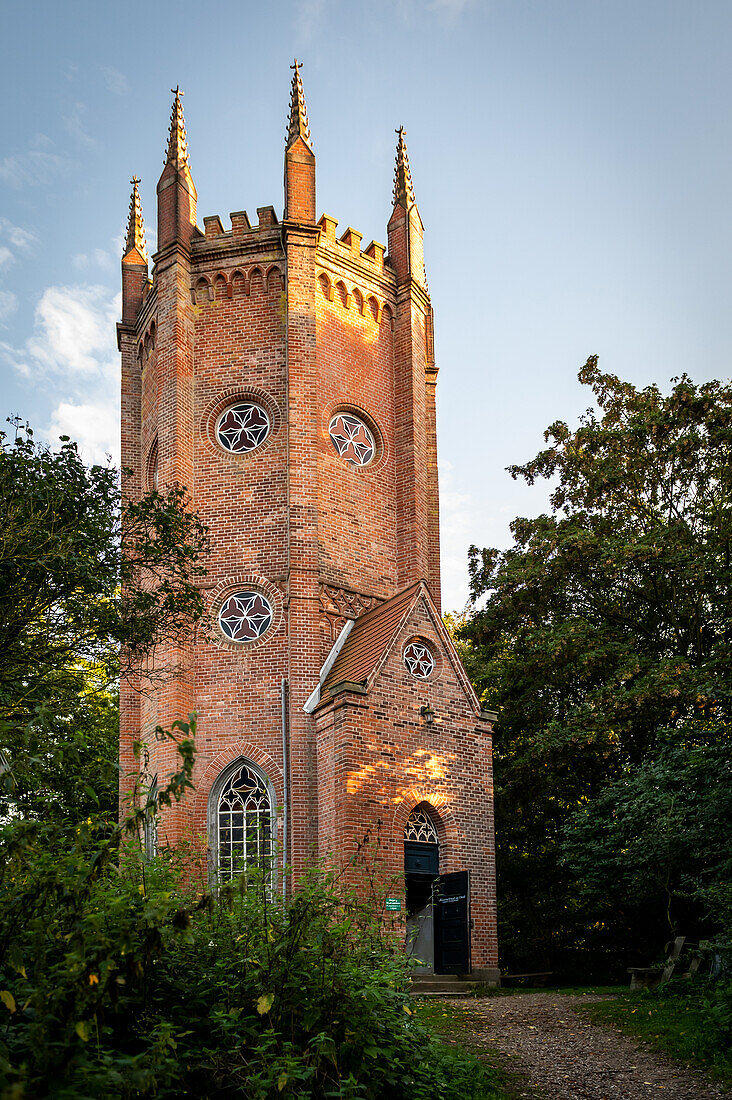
x,y
286,377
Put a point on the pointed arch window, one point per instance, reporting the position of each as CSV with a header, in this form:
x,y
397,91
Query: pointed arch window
x,y
242,820
420,827
150,819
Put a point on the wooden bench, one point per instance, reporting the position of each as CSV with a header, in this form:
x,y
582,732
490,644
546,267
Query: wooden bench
x,y
537,979
653,977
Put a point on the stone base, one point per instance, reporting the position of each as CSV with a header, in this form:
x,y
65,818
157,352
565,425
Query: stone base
x,y
490,975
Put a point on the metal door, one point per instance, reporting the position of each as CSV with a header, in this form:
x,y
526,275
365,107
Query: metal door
x,y
452,923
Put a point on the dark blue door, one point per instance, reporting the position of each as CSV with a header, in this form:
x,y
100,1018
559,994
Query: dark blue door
x,y
452,923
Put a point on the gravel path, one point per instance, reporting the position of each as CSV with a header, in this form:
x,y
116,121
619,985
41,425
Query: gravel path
x,y
565,1057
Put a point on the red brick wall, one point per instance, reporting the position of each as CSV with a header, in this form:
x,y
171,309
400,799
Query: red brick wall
x,y
306,325
378,759
356,505
303,618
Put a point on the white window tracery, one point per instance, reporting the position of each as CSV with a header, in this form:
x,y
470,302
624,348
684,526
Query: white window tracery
x,y
243,427
353,441
245,616
419,660
420,828
244,823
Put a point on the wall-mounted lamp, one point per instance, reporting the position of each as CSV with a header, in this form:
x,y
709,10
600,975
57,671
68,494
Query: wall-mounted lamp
x,y
427,713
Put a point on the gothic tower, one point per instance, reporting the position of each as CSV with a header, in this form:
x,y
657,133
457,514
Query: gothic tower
x,y
286,377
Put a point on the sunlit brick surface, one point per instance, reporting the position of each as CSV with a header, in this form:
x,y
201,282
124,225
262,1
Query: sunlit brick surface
x,y
305,325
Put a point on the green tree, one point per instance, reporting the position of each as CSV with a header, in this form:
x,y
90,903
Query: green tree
x,y
602,635
70,604
662,828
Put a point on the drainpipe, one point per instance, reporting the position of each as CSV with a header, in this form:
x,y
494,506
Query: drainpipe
x,y
285,784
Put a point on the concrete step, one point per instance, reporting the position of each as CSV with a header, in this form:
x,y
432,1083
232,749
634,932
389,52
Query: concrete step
x,y
462,992
443,987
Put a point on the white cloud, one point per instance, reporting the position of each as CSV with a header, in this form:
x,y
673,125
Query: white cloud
x,y
72,352
308,17
37,166
453,8
19,238
116,82
98,257
8,305
74,330
409,11
74,125
94,427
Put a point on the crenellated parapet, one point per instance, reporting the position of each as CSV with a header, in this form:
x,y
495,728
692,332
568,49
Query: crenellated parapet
x,y
363,273
248,258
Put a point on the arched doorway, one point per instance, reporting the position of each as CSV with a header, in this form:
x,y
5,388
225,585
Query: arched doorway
x,y
421,869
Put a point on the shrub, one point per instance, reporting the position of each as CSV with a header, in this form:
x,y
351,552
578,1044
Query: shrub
x,y
121,977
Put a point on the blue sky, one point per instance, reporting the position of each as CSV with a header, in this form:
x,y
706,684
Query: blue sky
x,y
572,163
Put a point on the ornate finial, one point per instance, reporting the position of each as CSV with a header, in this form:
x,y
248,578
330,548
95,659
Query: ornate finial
x,y
298,126
403,189
135,225
178,140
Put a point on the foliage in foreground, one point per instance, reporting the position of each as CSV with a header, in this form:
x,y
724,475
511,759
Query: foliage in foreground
x,y
119,977
603,637
70,602
691,1021
459,1025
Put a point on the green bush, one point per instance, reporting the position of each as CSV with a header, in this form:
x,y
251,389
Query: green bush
x,y
120,977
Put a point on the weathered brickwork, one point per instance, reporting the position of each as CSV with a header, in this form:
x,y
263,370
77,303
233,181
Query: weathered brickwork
x,y
382,759
305,325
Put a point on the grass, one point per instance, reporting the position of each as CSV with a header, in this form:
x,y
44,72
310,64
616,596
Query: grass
x,y
595,990
456,1027
680,1021
684,1021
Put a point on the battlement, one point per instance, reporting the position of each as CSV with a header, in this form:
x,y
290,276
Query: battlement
x,y
349,244
240,225
362,276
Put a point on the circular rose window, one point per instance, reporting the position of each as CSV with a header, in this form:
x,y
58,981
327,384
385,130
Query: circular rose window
x,y
352,439
242,427
419,660
245,616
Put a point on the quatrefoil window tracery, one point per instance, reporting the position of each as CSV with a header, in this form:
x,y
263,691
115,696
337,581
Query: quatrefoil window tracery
x,y
245,616
353,441
242,427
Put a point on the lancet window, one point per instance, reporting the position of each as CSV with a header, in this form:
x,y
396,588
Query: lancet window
x,y
244,825
150,822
